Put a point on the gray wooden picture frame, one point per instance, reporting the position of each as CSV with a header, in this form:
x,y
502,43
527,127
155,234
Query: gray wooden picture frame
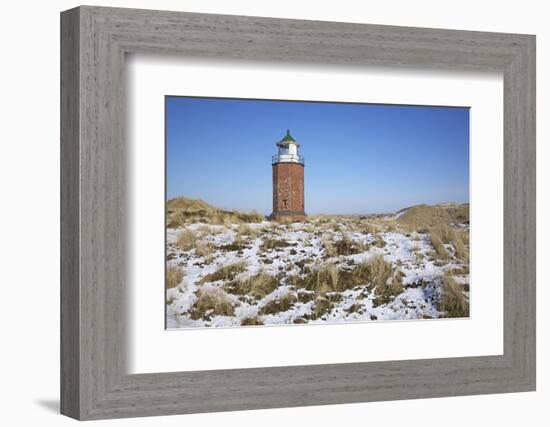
x,y
94,382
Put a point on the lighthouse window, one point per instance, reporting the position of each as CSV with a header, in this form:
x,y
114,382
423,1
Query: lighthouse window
x,y
284,203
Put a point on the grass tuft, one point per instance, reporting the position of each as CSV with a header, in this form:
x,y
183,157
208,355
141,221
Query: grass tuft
x,y
437,243
174,276
257,286
225,273
388,290
252,321
321,307
211,303
460,241
453,302
181,211
269,244
375,273
279,304
186,240
246,230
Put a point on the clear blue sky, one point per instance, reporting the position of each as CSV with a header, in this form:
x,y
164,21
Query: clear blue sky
x,y
360,158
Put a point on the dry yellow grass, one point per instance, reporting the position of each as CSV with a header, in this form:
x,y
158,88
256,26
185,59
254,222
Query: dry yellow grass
x,y
462,238
346,246
321,307
445,234
460,249
246,230
437,243
186,240
252,321
341,247
204,249
225,273
257,286
207,230
279,304
465,235
375,274
211,303
322,279
453,302
368,228
386,291
328,245
174,276
181,211
422,217
270,243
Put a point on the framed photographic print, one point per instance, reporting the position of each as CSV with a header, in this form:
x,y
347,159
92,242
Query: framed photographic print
x,y
386,236
349,208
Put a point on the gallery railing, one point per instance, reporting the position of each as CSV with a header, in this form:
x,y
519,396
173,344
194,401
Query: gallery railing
x,y
287,158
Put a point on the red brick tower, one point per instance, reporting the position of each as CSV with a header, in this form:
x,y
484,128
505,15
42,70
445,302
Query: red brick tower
x,y
288,181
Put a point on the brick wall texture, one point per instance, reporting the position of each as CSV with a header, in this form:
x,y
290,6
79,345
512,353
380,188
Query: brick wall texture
x,y
288,191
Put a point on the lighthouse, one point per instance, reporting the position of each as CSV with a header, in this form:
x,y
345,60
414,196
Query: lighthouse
x,y
288,181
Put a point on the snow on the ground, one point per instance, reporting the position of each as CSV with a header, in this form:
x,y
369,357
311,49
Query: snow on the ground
x,y
411,254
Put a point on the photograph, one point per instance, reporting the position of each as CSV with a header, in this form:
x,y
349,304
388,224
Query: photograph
x,y
293,212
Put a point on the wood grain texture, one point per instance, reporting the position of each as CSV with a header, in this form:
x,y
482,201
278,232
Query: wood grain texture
x,y
94,382
70,291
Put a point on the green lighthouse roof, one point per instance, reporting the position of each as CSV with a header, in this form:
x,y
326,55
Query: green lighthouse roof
x,y
287,138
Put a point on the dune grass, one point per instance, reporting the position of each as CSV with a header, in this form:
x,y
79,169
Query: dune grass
x,y
341,247
244,229
211,303
453,302
225,273
256,286
374,274
315,260
444,234
280,304
186,240
174,276
424,216
437,243
270,244
388,290
181,211
252,321
321,307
